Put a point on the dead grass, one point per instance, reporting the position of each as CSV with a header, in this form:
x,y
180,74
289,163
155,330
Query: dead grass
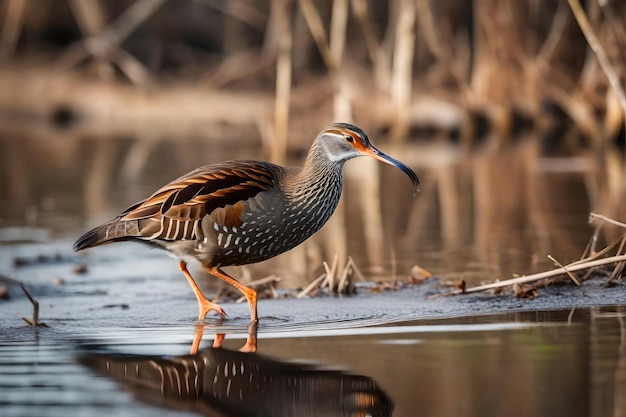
x,y
591,261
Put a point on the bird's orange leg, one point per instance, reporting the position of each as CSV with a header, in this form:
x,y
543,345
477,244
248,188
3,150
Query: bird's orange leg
x,y
204,305
249,293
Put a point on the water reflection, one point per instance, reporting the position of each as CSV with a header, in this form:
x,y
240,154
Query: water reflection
x,y
218,381
540,364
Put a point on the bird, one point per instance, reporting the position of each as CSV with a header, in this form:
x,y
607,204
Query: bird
x,y
242,211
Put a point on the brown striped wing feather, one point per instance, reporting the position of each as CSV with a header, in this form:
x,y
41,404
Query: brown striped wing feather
x,y
176,210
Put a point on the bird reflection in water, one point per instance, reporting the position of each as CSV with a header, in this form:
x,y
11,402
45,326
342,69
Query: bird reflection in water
x,y
220,382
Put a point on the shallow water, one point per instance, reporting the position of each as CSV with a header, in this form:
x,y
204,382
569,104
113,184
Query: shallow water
x,y
546,363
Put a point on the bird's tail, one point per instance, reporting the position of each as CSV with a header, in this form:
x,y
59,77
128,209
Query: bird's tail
x,y
113,231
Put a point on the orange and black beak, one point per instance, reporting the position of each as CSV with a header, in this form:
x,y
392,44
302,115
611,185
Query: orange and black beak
x,y
381,156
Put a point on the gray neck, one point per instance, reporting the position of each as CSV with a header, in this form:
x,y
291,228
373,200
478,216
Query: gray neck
x,y
318,174
314,190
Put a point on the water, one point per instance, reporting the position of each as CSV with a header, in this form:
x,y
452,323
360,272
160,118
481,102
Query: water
x,y
544,363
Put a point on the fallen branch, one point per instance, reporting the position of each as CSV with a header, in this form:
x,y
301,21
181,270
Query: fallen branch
x,y
541,275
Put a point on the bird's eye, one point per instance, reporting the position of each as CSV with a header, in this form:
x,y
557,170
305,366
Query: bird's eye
x,y
349,138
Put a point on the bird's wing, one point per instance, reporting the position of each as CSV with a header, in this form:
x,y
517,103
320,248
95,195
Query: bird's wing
x,y
176,210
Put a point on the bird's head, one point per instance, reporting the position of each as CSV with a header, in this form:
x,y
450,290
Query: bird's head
x,y
342,141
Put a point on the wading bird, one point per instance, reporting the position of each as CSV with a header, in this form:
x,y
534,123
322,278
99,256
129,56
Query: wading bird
x,y
242,212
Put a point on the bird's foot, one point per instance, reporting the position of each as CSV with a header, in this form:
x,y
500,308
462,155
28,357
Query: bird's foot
x,y
205,306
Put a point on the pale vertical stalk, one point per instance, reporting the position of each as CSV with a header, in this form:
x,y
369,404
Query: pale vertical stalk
x,y
378,56
402,74
338,241
338,24
89,16
12,26
280,9
480,49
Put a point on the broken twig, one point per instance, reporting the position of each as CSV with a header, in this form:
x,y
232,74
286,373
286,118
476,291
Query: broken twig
x,y
542,275
35,321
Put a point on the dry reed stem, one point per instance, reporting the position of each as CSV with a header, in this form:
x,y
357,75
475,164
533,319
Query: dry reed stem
x,y
342,101
346,279
594,216
617,271
619,267
343,280
593,241
35,321
35,303
595,255
338,24
602,57
569,274
330,273
402,72
356,270
313,285
89,16
541,275
280,9
350,271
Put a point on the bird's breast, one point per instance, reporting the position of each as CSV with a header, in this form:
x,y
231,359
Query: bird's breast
x,y
271,224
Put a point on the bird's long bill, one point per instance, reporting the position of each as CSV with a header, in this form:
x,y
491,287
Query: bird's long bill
x,y
375,153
